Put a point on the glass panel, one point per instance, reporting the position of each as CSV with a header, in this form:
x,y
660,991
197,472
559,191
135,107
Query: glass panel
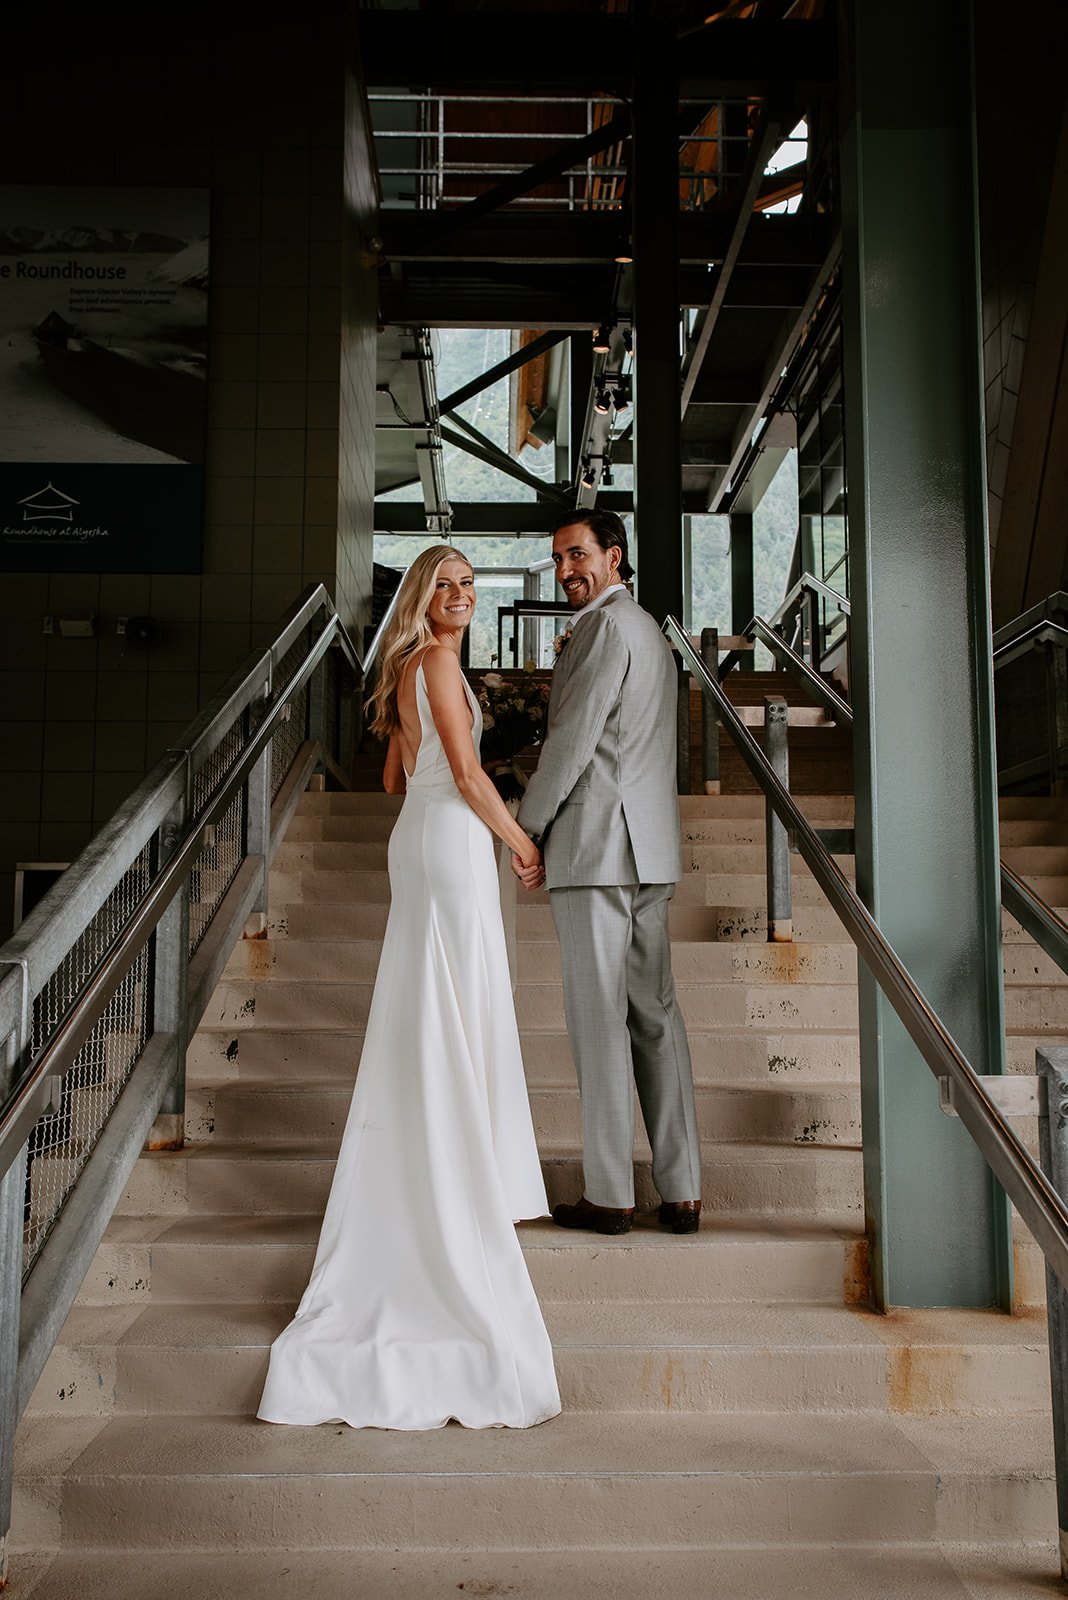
x,y
710,545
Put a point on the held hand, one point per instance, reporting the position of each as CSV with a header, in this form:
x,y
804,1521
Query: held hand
x,y
530,871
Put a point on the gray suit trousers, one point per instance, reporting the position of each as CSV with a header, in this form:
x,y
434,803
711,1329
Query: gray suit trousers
x,y
626,1032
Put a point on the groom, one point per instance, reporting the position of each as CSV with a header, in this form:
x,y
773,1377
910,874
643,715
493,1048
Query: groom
x,y
602,803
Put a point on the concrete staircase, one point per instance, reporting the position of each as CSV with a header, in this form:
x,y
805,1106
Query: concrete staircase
x,y
736,1421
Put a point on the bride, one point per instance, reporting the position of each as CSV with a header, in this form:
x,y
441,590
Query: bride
x,y
419,1308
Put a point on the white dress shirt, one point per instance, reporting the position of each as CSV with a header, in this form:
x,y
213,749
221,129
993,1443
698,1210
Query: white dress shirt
x,y
592,605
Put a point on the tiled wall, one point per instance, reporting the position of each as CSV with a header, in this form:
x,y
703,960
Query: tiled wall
x,y
262,126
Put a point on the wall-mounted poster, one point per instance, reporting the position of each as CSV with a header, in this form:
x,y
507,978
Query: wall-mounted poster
x,y
103,356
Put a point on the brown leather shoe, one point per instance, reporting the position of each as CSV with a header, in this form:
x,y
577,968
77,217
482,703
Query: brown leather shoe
x,y
681,1216
602,1219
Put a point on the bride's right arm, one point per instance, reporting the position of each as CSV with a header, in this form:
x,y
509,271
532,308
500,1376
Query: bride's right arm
x,y
452,719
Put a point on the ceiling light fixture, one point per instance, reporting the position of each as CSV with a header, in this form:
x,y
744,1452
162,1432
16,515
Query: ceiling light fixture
x,y
602,340
602,402
589,473
628,340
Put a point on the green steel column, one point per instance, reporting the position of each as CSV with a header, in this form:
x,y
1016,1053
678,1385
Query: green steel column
x,y
741,570
921,675
657,379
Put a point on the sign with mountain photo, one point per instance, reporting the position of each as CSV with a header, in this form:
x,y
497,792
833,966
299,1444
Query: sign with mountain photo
x,y
103,359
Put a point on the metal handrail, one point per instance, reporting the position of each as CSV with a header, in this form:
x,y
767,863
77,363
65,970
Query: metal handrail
x,y
1023,644
31,1095
124,953
820,690
376,641
1027,1186
1037,918
1029,909
1054,604
807,583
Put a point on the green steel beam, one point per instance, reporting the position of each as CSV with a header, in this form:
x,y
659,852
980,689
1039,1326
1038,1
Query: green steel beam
x,y
657,420
926,796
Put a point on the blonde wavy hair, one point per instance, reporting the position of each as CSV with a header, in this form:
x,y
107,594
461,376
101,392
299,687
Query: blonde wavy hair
x,y
408,631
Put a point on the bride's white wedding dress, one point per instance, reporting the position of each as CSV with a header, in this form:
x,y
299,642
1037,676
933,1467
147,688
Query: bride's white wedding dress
x,y
419,1308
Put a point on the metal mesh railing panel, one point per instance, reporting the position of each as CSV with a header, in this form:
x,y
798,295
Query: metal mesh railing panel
x,y
217,864
58,995
62,1139
287,666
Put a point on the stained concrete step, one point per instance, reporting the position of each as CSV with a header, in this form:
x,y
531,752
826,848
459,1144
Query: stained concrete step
x,y
863,1572
273,1054
680,1481
217,1258
538,961
812,923
292,1177
275,1003
679,1356
288,956
247,1113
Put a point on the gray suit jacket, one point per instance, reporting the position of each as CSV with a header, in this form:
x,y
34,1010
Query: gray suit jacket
x,y
603,799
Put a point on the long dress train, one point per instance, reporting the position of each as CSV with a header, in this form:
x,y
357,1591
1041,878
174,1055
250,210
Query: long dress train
x,y
419,1308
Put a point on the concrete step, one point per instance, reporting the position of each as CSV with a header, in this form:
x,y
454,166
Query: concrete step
x,y
288,1054
286,955
680,1481
279,1003
538,961
341,919
351,856
245,1113
292,1177
863,1572
221,1257
813,924
610,1356
278,1054
819,807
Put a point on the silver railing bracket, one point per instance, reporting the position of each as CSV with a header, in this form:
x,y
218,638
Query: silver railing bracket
x,y
1014,1095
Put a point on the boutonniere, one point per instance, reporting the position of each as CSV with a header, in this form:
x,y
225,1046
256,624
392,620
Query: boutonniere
x,y
559,641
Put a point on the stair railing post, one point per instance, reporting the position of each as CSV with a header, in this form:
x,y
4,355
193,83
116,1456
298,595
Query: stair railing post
x,y
12,1212
811,606
682,730
316,724
777,839
347,692
709,723
1051,1064
258,811
1056,713
170,976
